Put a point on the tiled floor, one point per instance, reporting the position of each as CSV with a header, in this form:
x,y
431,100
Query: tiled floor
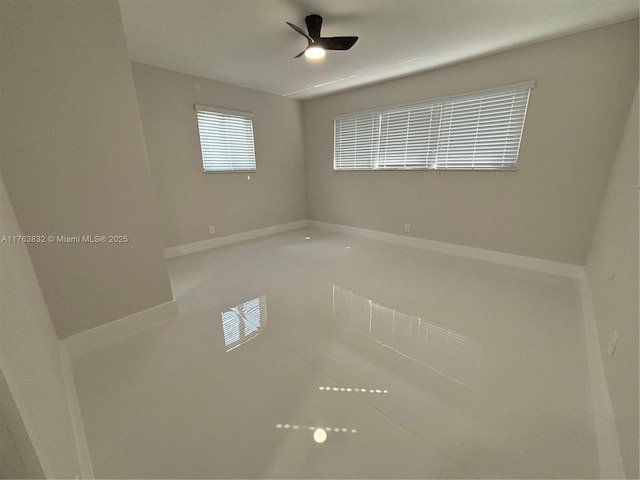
x,y
414,364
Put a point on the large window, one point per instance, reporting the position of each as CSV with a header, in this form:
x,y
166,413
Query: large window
x,y
478,131
226,140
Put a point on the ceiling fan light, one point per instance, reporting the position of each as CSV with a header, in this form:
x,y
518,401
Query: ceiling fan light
x,y
314,52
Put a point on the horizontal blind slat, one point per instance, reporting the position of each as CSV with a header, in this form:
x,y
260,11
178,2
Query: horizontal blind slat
x,y
226,141
480,131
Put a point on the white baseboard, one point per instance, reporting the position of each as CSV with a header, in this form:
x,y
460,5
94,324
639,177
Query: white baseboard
x,y
608,447
102,335
546,266
84,459
171,252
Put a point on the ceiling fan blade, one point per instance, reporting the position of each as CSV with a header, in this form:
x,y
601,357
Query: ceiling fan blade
x,y
300,31
338,43
300,54
314,24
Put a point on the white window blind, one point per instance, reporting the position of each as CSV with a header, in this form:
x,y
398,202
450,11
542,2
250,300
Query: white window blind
x,y
226,140
479,131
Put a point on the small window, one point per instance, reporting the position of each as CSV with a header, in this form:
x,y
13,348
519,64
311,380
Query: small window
x,y
478,131
226,140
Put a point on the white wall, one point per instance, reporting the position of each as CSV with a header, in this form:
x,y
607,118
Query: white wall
x,y
548,208
74,160
191,200
30,359
612,270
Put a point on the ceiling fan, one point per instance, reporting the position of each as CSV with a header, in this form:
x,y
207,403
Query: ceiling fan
x,y
319,45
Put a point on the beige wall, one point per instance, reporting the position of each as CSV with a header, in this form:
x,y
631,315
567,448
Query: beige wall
x,y
612,270
30,360
74,160
191,200
548,208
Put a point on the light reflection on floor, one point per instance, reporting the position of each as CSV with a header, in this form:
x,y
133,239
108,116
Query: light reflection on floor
x,y
447,352
244,321
349,389
445,367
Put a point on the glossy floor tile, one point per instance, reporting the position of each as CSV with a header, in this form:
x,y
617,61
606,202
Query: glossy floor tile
x,y
339,357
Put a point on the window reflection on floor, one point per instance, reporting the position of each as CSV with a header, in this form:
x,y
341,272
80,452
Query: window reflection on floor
x,y
244,322
441,349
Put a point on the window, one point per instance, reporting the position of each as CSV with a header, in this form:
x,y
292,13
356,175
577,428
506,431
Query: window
x,y
479,131
226,140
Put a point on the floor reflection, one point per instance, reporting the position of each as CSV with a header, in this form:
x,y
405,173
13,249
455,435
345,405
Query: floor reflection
x,y
394,361
244,322
350,389
443,350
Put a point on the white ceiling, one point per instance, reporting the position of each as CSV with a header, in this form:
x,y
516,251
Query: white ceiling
x,y
247,43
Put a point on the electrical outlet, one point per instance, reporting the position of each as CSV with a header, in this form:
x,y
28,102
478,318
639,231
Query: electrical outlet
x,y
407,227
212,230
613,344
